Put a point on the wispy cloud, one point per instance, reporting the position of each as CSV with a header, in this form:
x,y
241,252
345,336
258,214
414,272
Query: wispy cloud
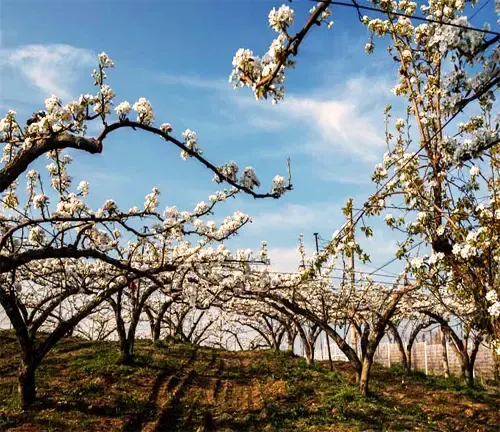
x,y
192,81
297,217
335,119
284,259
265,123
337,126
53,69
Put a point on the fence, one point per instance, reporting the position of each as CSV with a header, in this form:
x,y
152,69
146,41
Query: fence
x,y
426,357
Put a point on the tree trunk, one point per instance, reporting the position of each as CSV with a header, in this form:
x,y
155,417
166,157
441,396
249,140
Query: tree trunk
x,y
307,349
496,366
26,383
311,350
126,352
446,366
151,321
291,341
365,374
408,358
156,331
468,373
400,344
127,340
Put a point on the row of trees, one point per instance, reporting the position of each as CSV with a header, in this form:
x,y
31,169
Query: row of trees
x,y
66,267
62,261
438,182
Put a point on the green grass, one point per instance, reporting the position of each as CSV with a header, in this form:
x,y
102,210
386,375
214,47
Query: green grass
x,y
82,387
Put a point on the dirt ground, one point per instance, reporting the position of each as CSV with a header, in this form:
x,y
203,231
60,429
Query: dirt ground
x,y
183,388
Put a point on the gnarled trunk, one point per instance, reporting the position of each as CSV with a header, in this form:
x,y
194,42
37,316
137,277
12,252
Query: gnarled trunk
x,y
291,341
400,344
308,352
26,383
364,376
468,373
444,354
408,358
126,352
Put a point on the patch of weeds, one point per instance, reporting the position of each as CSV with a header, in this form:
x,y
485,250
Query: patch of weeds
x,y
302,364
200,367
141,359
345,396
91,388
280,416
477,393
248,419
162,344
125,403
419,375
299,390
345,401
8,390
287,354
256,368
396,370
335,376
414,411
95,362
318,367
452,383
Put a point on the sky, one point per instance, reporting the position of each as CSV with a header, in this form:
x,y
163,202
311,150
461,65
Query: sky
x,y
177,54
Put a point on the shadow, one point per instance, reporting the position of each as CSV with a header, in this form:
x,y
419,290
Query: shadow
x,y
172,416
136,420
150,409
177,415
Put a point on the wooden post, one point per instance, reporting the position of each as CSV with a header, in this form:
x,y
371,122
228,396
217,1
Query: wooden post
x,y
389,354
425,358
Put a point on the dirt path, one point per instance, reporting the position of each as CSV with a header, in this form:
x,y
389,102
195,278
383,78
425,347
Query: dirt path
x,y
165,389
214,392
224,394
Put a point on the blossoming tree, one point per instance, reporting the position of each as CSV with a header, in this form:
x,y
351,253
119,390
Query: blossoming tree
x,y
55,250
448,73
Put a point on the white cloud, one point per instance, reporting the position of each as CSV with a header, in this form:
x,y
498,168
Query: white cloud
x,y
344,118
294,217
265,123
53,69
284,259
337,125
192,81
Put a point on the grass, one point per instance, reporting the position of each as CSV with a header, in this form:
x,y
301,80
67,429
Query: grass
x,y
176,387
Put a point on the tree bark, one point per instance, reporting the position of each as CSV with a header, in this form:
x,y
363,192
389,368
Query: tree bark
x,y
446,365
159,320
291,341
364,378
307,347
126,352
400,344
468,373
26,383
409,358
496,366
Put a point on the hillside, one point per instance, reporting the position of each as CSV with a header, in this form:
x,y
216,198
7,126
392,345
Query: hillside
x,y
182,388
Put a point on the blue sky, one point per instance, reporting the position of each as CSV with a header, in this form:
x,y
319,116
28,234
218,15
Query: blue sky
x,y
178,55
